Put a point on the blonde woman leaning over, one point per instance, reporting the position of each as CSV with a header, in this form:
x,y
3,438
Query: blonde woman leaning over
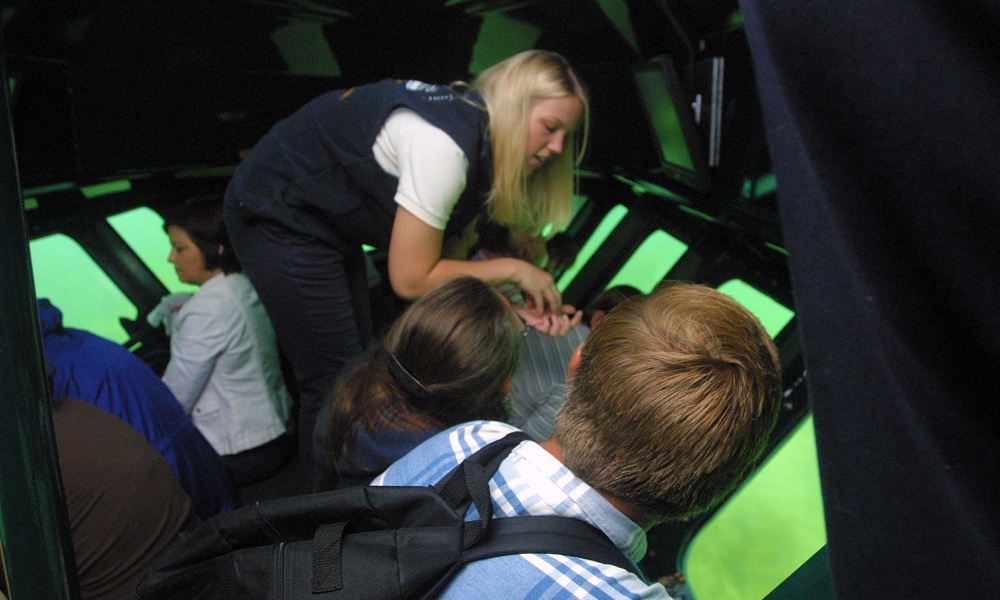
x,y
399,165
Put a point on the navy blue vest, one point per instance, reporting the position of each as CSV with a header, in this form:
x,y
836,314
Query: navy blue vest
x,y
314,172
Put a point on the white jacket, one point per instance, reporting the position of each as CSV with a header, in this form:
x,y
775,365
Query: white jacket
x,y
224,366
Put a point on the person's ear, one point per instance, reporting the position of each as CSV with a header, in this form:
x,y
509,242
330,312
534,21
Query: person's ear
x,y
507,385
574,362
222,249
596,318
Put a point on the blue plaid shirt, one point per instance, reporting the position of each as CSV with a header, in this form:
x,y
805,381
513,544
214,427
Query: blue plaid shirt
x,y
529,482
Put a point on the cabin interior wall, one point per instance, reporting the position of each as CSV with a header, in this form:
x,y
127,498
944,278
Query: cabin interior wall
x,y
267,64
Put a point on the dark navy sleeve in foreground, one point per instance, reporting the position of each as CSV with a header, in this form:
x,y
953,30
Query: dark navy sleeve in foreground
x,y
883,119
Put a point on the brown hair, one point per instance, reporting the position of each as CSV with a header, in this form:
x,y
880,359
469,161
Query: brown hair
x,y
460,342
673,401
608,300
201,219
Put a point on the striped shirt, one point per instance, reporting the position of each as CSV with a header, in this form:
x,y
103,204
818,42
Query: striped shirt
x,y
529,482
539,385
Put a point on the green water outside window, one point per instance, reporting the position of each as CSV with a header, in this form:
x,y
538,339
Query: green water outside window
x,y
66,275
604,229
142,229
651,262
772,525
774,522
773,316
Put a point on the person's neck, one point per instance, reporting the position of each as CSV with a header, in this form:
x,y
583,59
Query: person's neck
x,y
553,447
212,275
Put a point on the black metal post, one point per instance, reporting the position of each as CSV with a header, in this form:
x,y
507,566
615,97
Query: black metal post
x,y
34,530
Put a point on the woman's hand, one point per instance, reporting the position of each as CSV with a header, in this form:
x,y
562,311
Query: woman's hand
x,y
538,288
416,266
552,324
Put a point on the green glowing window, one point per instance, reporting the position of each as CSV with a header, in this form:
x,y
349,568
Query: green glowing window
x,y
577,203
773,316
142,229
651,262
66,275
101,189
772,525
774,522
604,229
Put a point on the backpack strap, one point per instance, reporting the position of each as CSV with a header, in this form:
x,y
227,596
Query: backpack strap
x,y
550,534
469,483
542,534
489,457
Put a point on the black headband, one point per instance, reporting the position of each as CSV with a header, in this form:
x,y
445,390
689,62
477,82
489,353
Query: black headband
x,y
410,384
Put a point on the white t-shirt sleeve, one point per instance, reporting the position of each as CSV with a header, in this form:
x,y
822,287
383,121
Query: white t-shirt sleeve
x,y
429,164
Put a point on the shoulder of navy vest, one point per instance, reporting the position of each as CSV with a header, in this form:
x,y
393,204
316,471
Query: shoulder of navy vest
x,y
430,92
473,95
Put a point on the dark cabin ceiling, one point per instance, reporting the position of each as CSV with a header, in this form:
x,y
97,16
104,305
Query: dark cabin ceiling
x,y
140,68
107,89
433,39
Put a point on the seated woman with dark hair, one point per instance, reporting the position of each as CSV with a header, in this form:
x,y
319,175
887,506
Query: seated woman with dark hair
x,y
224,366
448,359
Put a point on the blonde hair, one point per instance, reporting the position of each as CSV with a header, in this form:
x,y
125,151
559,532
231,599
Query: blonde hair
x,y
511,88
673,401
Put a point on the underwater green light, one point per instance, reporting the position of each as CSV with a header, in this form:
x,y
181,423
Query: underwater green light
x,y
698,214
102,189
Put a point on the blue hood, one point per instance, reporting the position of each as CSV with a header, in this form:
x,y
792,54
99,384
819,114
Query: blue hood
x,y
49,317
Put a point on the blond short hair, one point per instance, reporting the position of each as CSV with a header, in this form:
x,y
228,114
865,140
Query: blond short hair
x,y
673,401
510,89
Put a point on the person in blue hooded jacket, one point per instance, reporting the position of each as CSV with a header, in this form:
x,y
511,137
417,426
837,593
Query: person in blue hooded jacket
x,y
96,370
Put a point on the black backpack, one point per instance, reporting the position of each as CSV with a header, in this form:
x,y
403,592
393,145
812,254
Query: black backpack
x,y
365,541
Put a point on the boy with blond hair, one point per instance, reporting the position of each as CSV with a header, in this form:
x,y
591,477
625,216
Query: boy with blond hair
x,y
669,408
